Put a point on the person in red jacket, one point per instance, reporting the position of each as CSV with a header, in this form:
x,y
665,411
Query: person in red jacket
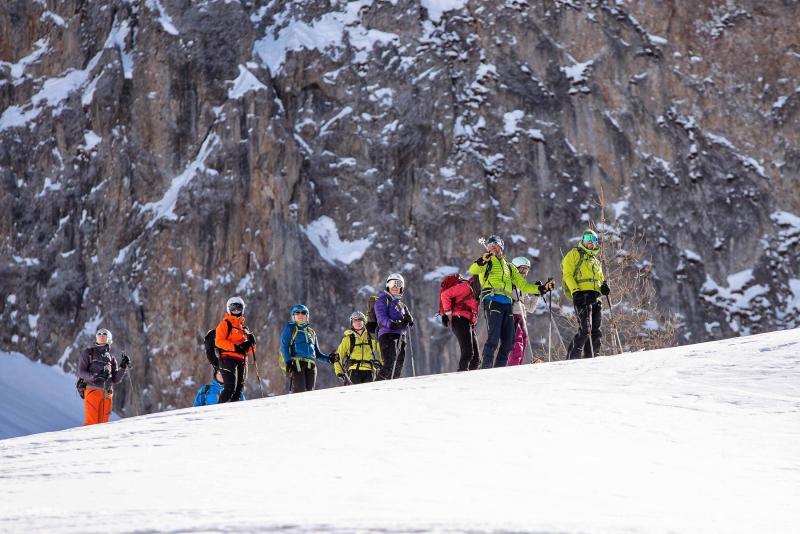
x,y
234,342
459,309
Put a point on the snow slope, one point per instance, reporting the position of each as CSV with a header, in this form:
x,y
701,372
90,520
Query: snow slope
x,y
702,438
35,397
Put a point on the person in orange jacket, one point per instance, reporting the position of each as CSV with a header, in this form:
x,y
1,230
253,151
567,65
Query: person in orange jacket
x,y
234,341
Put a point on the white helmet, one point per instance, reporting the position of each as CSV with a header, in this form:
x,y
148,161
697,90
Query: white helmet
x,y
395,280
520,261
106,333
235,302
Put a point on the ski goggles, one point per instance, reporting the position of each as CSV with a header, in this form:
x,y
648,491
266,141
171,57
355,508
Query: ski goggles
x,y
103,333
236,307
395,283
589,238
301,312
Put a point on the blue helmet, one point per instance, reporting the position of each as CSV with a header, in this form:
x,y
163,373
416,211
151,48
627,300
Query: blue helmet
x,y
300,308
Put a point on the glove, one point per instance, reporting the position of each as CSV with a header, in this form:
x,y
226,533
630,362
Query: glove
x,y
289,367
243,347
604,289
408,319
251,339
398,325
484,259
445,321
546,287
125,362
334,356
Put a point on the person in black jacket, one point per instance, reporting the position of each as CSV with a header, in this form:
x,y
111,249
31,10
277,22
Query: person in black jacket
x,y
99,370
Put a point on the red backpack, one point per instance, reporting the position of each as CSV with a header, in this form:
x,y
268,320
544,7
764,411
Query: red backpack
x,y
447,282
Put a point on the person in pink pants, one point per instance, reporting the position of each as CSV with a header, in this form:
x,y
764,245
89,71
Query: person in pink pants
x,y
517,353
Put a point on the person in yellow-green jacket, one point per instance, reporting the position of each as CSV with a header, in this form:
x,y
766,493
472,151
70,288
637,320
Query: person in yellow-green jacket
x,y
358,357
498,277
584,282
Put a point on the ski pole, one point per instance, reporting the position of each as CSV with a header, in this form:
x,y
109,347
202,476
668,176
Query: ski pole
x,y
591,328
258,377
614,325
396,355
525,318
550,326
133,389
411,353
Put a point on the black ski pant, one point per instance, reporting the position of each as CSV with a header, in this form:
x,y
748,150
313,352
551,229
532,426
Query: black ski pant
x,y
464,331
393,350
232,371
361,377
303,376
500,321
588,308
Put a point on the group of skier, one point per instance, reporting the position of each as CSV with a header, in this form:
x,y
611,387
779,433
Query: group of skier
x,y
374,345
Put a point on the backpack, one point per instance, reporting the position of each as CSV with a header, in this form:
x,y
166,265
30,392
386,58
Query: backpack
x,y
80,386
475,284
296,331
371,344
372,319
204,394
210,344
564,289
447,282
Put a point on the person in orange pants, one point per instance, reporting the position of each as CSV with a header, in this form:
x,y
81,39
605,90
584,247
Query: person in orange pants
x,y
99,370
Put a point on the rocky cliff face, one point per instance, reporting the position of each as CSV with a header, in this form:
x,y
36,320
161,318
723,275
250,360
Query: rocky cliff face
x,y
158,156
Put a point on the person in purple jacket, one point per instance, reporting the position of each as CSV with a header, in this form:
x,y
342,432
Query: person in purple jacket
x,y
393,321
99,371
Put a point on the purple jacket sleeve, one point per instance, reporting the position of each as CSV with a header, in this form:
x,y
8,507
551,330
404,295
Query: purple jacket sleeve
x,y
83,366
382,312
117,373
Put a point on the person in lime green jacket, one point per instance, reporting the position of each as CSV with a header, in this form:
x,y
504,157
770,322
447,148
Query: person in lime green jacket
x,y
358,357
498,277
583,278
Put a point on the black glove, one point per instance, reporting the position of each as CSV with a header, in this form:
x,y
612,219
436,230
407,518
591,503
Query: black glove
x,y
243,347
408,319
604,289
398,325
445,321
484,259
251,338
125,362
546,287
290,367
334,356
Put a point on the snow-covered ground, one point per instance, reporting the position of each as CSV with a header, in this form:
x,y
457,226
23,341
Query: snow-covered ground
x,y
702,438
35,397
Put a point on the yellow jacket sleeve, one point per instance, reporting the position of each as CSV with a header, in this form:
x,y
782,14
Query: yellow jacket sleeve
x,y
520,283
343,350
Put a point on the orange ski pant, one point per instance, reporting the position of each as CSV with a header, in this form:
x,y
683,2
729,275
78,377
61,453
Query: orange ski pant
x,y
97,406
